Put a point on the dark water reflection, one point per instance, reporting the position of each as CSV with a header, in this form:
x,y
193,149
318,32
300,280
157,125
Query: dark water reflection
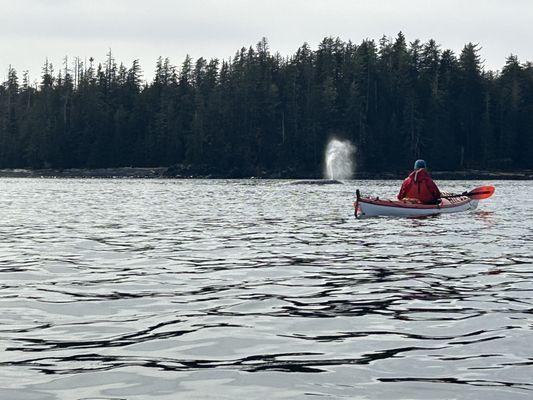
x,y
125,289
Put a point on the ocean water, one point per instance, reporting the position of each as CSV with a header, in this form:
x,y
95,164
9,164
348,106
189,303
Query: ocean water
x,y
199,289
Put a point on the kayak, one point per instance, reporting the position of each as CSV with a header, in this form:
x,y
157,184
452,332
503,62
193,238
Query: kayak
x,y
374,206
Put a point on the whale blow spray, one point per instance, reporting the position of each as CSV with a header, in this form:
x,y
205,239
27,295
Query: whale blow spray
x,y
339,159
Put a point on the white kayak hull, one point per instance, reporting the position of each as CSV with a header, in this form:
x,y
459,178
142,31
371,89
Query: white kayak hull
x,y
368,207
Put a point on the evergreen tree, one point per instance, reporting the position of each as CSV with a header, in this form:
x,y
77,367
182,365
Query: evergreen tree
x,y
259,113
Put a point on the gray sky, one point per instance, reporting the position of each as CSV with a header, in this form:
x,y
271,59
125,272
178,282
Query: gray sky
x,y
31,30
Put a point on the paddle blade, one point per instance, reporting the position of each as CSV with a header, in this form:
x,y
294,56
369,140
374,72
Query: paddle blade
x,y
480,193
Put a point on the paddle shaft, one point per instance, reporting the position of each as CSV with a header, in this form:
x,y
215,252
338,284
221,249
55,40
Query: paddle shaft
x,y
465,194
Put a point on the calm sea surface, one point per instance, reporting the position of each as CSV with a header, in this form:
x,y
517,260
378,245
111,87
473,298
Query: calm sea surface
x,y
168,289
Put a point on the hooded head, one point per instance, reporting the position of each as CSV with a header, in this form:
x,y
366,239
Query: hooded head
x,y
420,164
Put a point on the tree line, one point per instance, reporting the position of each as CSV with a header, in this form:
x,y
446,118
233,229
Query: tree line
x,y
261,114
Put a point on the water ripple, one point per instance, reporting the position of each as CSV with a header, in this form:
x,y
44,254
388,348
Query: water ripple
x,y
115,289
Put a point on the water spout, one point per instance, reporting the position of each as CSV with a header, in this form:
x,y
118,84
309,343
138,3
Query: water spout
x,y
339,159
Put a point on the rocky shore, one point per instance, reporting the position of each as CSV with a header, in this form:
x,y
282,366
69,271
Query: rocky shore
x,y
186,172
85,173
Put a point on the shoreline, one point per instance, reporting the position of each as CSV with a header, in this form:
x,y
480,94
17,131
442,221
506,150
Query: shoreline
x,y
173,173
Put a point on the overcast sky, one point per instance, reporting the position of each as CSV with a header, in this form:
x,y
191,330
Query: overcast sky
x,y
32,30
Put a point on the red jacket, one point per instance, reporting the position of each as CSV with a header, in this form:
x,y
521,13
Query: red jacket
x,y
419,185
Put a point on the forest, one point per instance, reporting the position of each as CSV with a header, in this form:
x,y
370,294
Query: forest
x,y
262,114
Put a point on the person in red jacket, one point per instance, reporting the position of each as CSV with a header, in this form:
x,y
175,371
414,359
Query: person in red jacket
x,y
419,185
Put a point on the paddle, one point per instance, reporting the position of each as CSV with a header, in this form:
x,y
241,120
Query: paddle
x,y
480,193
